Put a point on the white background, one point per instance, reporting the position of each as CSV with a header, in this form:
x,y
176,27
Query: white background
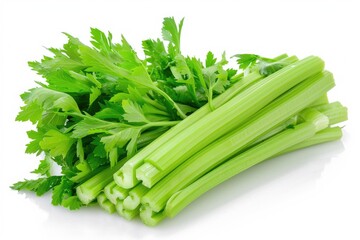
x,y
310,194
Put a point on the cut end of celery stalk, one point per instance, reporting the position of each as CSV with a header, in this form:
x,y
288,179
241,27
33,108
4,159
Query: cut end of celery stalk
x,y
105,204
320,120
149,217
132,201
85,195
115,193
125,177
125,213
148,174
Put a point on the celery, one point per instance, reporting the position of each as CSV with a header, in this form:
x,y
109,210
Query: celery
x,y
251,157
126,178
150,217
125,213
115,193
227,118
132,201
212,155
105,204
337,113
326,135
89,190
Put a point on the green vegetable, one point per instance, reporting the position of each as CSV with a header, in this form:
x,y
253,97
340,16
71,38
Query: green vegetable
x,y
105,204
225,119
253,156
148,136
214,154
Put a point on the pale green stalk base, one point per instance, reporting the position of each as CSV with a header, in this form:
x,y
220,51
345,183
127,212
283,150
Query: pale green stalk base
x,y
132,201
105,204
253,156
115,193
335,111
150,217
89,190
125,213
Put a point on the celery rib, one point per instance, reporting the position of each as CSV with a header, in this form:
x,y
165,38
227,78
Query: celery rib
x,y
214,154
132,201
105,204
253,156
90,189
115,193
125,213
126,178
225,119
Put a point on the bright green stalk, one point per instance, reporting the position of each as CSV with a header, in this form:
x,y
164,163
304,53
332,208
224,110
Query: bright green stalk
x,y
125,213
132,201
89,190
224,120
320,101
115,193
251,157
230,115
105,204
326,135
336,111
150,217
214,154
126,177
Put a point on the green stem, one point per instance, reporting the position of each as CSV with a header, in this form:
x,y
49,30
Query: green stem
x,y
132,201
115,193
126,176
125,213
216,153
238,164
326,135
232,114
89,190
105,204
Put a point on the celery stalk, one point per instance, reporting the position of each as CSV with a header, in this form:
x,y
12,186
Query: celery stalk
x,y
132,201
90,189
105,204
125,213
150,175
337,113
230,115
214,154
251,157
150,217
115,193
326,135
126,178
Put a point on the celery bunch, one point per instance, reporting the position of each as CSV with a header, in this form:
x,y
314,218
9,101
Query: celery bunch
x,y
146,137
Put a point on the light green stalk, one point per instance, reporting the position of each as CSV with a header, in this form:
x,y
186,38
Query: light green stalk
x,y
105,204
226,118
89,190
251,157
115,193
